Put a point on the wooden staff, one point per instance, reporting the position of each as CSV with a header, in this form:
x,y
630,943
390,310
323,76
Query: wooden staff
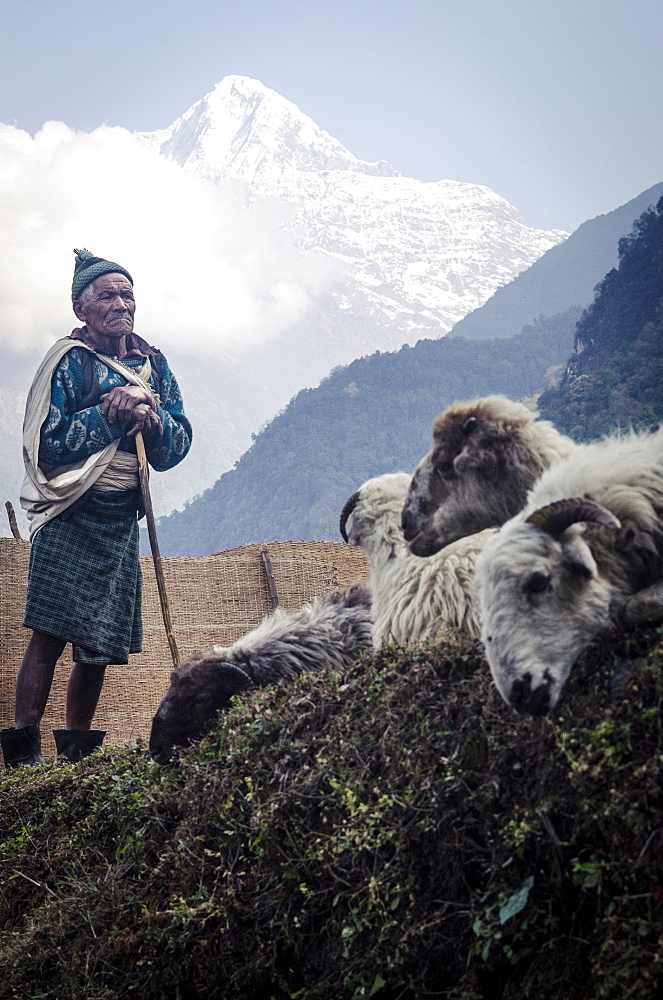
x,y
144,474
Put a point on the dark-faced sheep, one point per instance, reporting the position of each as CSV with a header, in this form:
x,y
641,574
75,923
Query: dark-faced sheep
x,y
329,632
487,453
412,598
558,573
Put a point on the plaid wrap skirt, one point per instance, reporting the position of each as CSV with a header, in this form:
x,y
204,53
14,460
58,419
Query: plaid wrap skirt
x,y
84,579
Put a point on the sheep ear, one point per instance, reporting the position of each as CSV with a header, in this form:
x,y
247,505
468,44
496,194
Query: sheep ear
x,y
180,681
556,517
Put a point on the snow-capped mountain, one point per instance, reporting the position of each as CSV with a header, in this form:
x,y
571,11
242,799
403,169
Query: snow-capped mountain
x,y
244,131
416,256
381,260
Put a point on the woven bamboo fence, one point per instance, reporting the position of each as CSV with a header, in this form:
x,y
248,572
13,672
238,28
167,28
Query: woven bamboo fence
x,y
213,599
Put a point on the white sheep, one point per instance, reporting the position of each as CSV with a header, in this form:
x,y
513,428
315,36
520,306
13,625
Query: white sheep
x,y
555,576
487,453
412,597
330,632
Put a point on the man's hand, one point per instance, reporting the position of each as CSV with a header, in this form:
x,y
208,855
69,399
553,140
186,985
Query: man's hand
x,y
118,404
135,409
144,419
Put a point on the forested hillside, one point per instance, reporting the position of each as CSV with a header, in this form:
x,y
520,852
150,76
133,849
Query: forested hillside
x,y
565,276
372,417
615,378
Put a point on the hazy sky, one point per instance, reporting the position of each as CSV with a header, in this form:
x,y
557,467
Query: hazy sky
x,y
555,104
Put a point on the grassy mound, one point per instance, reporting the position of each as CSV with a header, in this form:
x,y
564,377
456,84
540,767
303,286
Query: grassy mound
x,y
393,831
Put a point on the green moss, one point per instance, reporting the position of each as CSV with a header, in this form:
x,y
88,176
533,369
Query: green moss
x,y
391,831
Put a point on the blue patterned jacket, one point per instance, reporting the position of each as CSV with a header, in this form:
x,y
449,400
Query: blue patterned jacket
x,y
76,428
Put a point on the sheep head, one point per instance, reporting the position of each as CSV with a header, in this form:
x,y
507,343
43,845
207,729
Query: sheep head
x,y
486,455
542,600
198,690
375,510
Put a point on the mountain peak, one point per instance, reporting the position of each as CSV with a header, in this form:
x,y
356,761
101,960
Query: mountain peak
x,y
239,97
245,129
419,255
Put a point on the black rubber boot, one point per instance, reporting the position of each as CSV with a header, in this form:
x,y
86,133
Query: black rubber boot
x,y
74,744
22,747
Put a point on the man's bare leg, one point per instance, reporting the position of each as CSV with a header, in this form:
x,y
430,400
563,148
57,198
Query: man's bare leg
x,y
85,683
35,676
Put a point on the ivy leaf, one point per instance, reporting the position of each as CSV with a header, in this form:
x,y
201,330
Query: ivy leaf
x,y
378,983
517,902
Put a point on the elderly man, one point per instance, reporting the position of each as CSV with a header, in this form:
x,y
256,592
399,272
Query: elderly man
x,y
94,391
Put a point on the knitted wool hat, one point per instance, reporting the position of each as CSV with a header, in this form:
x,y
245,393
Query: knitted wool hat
x,y
88,267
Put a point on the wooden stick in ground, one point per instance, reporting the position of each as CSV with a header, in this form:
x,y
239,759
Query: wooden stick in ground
x,y
269,573
143,472
12,519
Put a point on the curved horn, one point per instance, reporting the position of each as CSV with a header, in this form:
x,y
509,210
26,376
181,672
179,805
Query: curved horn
x,y
345,514
556,517
233,674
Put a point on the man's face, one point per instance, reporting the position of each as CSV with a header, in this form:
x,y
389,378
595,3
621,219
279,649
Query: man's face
x,y
109,312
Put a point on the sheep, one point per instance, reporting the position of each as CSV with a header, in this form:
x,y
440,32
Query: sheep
x,y
554,576
487,453
412,597
330,632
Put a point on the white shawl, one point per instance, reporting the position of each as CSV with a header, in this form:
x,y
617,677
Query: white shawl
x,y
44,497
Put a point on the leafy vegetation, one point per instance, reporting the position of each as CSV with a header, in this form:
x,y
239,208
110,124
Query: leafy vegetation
x,y
372,417
392,831
615,378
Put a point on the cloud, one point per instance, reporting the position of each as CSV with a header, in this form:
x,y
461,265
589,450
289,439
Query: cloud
x,y
211,273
